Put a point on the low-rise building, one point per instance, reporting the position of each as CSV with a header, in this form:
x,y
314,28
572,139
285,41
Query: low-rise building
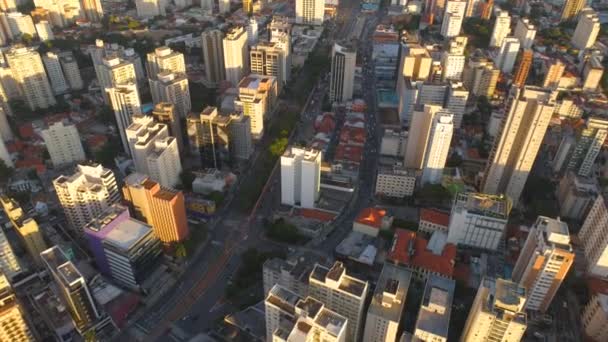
x,y
371,220
433,220
396,181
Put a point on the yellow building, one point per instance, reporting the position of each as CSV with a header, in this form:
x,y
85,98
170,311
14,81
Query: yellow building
x,y
13,326
27,228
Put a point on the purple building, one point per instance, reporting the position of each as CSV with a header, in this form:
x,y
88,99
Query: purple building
x,y
97,230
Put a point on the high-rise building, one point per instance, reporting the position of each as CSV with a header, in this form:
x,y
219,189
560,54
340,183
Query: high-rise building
x,y
514,151
173,88
594,238
571,9
388,301
54,72
63,143
241,145
592,74
415,62
256,99
434,315
162,208
554,73
588,143
478,220
164,112
62,13
452,18
224,6
9,264
213,55
92,10
207,6
71,70
341,293
26,227
291,273
300,177
456,102
505,60
163,59
114,71
453,59
29,74
44,30
497,313
86,193
502,28
109,61
73,288
271,59
575,195
13,322
595,318
480,76
525,31
523,68
587,29
125,103
418,137
310,12
342,80
17,24
209,137
252,31
150,8
438,146
236,54
543,262
8,5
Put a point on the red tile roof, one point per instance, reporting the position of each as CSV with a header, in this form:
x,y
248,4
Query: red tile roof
x,y
349,153
410,249
325,123
435,216
371,217
26,130
316,214
597,285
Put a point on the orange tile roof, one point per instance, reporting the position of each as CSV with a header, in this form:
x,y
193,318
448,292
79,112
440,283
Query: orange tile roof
x,y
410,249
316,214
435,216
371,217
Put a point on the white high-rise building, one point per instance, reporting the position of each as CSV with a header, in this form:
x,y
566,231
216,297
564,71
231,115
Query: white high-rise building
x,y
434,315
478,220
224,6
589,142
63,143
125,103
102,53
587,29
71,70
252,31
594,238
236,54
438,146
29,74
342,80
543,262
62,12
418,137
310,12
525,31
452,66
515,149
92,10
16,24
163,59
213,55
173,88
341,293
9,264
502,28
114,71
386,309
505,60
241,143
44,30
4,155
300,177
256,98
452,18
150,8
85,194
55,73
456,103
271,59
497,313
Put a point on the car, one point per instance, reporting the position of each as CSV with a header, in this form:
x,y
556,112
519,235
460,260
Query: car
x,y
539,335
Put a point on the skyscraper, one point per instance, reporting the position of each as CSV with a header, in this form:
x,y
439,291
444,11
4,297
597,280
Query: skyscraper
x,y
163,59
525,31
114,71
440,137
554,73
54,72
595,318
150,8
587,29
505,60
209,136
342,80
480,76
310,12
271,59
164,112
92,10
241,145
300,177
26,227
125,103
523,68
589,142
28,71
502,28
456,102
213,55
417,142
435,310
236,55
452,18
571,9
173,88
86,193
514,151
71,70
543,262
13,324
594,238
9,264
256,99
63,143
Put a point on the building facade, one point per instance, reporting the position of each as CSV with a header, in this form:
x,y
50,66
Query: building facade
x,y
300,177
63,143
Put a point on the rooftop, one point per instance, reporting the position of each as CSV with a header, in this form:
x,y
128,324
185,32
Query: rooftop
x,y
412,250
337,273
371,217
127,233
304,153
497,206
331,321
389,296
435,216
436,307
554,231
283,299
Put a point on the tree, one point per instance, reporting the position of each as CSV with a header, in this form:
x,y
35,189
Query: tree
x,y
278,146
5,172
26,38
108,152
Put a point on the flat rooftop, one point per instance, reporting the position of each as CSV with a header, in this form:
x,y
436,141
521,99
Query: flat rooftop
x,y
434,313
127,233
331,321
389,296
283,299
69,273
337,273
496,206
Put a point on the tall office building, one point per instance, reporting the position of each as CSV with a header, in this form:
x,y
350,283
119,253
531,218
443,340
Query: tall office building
x,y
310,12
63,143
417,141
543,262
86,193
163,59
452,18
300,177
434,314
456,102
54,72
17,24
256,99
588,143
480,76
554,73
210,137
341,293
342,80
13,322
438,146
26,227
595,318
173,88
73,288
571,9
164,112
587,29
92,10
150,8
523,68
525,31
505,60
71,70
514,151
162,208
271,59
478,220
236,54
594,238
125,103
213,55
502,28
113,72
497,313
388,301
29,74
252,31
241,143
415,62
